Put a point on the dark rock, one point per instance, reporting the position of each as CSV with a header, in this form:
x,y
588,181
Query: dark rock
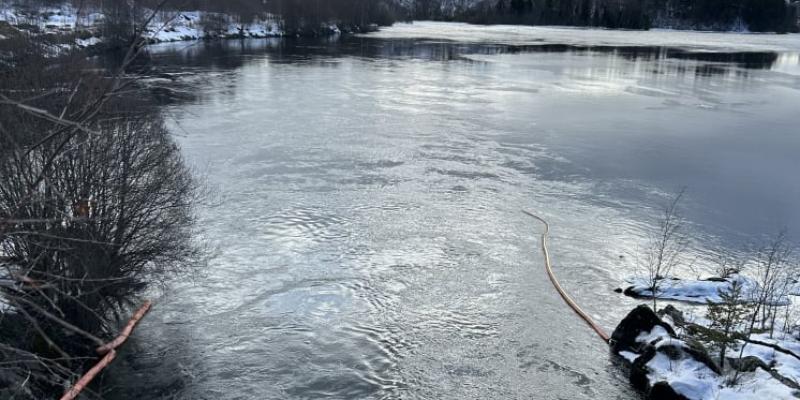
x,y
618,290
638,374
630,292
699,353
784,380
672,351
775,347
696,330
715,279
675,314
748,364
752,363
641,319
692,349
663,391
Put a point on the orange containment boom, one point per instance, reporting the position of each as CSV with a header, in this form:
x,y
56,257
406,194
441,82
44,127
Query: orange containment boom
x,y
549,268
109,349
123,336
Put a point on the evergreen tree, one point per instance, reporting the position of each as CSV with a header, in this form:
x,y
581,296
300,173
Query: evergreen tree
x,y
727,318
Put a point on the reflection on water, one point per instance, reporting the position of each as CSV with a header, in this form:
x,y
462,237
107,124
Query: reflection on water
x,y
234,54
369,231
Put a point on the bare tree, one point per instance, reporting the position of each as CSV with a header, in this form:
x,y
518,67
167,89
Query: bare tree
x,y
729,264
665,247
773,273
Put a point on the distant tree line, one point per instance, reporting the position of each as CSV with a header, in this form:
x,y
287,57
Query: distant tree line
x,y
308,16
755,15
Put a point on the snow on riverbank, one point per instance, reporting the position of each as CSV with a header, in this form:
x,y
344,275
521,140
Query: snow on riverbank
x,y
167,26
693,291
189,25
53,19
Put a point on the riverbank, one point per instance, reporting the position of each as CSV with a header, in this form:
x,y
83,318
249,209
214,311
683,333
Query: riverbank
x,y
68,26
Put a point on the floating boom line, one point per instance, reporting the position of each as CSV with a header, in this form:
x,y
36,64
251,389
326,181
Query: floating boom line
x,y
570,302
109,350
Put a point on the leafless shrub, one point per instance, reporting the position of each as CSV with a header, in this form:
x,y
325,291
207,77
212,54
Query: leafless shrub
x,y
95,205
664,248
775,273
728,264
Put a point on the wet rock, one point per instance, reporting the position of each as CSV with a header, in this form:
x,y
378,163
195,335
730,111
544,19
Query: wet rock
x,y
641,319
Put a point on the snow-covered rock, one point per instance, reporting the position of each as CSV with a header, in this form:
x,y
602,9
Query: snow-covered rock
x,y
666,366
631,333
693,291
661,364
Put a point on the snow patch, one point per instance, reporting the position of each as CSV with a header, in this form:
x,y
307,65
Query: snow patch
x,y
695,291
687,376
629,355
658,332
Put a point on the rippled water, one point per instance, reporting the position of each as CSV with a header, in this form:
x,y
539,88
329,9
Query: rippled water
x,y
368,234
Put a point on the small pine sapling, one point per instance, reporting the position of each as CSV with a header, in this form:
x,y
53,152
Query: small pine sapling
x,y
727,318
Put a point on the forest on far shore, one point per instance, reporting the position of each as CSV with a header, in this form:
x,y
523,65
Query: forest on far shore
x,y
722,15
303,16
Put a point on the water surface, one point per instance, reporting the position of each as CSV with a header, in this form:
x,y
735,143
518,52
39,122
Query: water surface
x,y
368,230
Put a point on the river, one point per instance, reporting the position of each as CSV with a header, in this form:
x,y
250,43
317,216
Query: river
x,y
366,195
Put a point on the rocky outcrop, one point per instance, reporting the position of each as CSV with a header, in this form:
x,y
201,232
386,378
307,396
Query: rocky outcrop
x,y
673,313
699,354
641,319
653,343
